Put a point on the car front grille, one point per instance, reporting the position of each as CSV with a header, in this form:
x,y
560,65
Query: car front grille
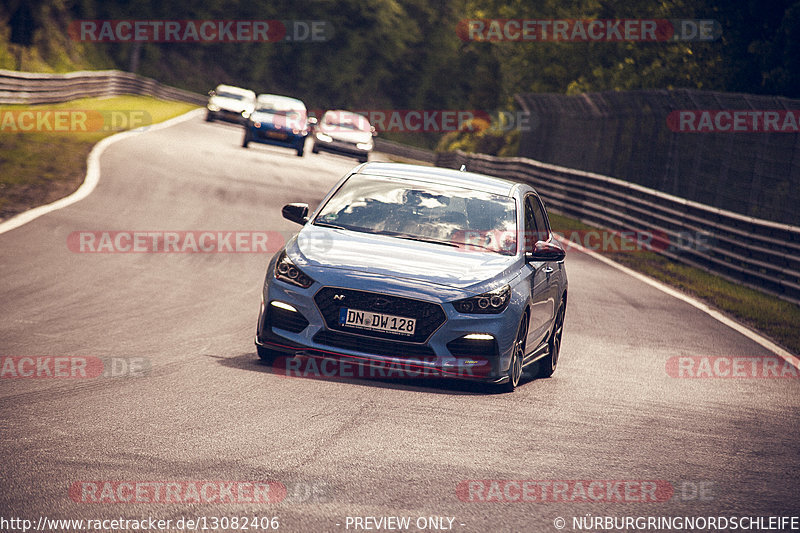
x,y
368,345
272,135
343,144
429,316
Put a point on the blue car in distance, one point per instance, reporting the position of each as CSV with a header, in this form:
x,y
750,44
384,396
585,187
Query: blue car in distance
x,y
448,273
277,120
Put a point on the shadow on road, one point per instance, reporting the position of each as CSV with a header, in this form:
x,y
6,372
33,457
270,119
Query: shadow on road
x,y
431,385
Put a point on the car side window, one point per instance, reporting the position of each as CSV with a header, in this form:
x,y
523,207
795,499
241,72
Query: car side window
x,y
541,219
530,223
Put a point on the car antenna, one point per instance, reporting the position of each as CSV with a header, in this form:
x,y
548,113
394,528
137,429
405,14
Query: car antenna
x,y
463,168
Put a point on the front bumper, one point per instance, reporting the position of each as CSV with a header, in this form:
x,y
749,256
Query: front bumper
x,y
275,137
340,147
227,115
444,353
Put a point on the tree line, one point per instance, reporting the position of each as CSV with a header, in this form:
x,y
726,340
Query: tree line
x,y
412,54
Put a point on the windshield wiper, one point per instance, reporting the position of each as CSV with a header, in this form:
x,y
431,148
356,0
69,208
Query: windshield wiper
x,y
422,239
328,225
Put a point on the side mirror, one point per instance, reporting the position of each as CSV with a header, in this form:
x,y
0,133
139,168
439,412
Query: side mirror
x,y
373,131
546,251
212,92
312,121
296,213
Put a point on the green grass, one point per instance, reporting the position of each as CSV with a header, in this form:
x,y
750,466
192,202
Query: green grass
x,y
777,319
40,167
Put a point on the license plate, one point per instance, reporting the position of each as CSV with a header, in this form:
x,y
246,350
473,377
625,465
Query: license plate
x,y
377,321
276,135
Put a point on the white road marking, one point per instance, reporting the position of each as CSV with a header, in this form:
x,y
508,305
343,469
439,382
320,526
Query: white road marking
x,y
92,173
713,313
93,178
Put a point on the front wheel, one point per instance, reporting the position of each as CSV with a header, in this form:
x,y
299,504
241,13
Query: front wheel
x,y
515,367
299,152
246,139
547,365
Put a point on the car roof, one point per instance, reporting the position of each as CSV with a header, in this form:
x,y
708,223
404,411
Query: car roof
x,y
232,89
284,101
456,178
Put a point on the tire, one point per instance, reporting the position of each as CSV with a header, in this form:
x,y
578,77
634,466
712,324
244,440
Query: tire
x,y
315,150
246,139
515,367
266,355
362,160
548,364
209,117
299,152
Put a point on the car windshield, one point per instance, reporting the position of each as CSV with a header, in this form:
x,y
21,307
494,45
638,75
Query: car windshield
x,y
291,113
346,121
279,106
441,214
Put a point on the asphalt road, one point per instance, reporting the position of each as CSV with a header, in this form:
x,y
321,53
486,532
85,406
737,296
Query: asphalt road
x,y
202,408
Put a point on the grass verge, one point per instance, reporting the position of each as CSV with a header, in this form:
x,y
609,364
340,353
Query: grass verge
x,y
39,167
771,316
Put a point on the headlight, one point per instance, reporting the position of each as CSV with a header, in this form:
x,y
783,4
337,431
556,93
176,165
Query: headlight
x,y
488,303
364,146
286,271
324,137
213,107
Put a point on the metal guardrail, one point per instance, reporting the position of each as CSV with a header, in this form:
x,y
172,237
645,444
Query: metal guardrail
x,y
758,253
36,88
404,151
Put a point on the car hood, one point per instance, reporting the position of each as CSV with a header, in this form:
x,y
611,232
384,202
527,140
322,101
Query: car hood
x,y
351,136
231,104
317,250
